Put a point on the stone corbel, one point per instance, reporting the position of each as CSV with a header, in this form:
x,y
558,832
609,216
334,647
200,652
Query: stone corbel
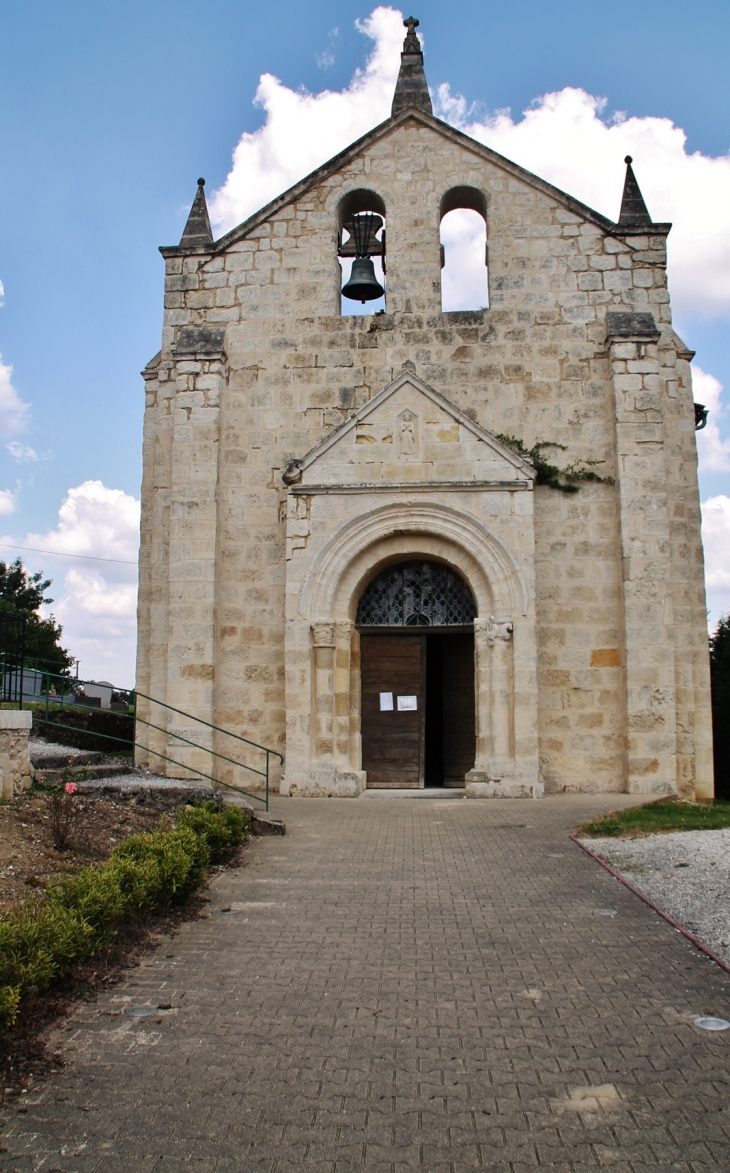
x,y
499,629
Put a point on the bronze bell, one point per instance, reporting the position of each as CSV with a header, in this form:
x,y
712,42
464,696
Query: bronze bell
x,y
363,284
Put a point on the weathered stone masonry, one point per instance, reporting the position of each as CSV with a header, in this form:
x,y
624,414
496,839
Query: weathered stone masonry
x,y
603,678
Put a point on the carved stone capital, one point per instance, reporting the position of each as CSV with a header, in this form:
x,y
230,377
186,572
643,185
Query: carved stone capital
x,y
499,629
323,633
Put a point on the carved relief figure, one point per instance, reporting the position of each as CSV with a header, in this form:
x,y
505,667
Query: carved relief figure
x,y
408,437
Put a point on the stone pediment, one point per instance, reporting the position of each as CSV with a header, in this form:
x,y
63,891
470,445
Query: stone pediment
x,y
409,435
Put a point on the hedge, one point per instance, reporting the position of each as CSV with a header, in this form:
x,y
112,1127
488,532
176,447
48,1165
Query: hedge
x,y
84,724
43,937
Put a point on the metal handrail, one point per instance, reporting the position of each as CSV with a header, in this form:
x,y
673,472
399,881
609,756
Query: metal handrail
x,y
217,781
133,744
205,748
209,725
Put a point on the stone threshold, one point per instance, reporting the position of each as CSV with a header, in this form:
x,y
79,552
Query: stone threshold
x,y
426,792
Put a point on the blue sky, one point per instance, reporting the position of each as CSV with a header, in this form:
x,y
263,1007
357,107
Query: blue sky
x,y
109,112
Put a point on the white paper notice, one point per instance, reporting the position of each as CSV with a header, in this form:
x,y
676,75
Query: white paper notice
x,y
386,702
407,703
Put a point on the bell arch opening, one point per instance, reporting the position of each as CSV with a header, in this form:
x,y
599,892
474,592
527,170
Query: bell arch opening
x,y
361,252
415,622
464,250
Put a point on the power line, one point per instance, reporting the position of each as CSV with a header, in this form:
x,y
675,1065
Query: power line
x,y
59,554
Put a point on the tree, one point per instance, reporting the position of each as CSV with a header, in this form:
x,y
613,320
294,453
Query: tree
x,y
720,683
25,593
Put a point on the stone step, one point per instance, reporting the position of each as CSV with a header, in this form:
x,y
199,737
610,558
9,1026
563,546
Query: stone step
x,y
80,773
61,761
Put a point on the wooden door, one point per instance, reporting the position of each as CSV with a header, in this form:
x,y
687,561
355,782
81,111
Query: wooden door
x,y
392,740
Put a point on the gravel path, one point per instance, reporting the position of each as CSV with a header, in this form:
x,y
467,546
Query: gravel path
x,y
687,874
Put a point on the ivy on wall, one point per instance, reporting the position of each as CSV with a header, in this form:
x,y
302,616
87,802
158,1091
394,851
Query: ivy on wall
x,y
566,479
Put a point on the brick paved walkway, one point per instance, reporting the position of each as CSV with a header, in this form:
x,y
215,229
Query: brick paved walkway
x,y
401,985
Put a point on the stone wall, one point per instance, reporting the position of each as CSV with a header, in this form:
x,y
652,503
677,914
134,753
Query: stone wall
x,y
16,772
258,365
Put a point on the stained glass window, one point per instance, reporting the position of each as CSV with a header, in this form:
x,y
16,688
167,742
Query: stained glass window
x,y
416,594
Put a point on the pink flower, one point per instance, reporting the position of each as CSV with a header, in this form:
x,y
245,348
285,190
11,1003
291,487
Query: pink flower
x,y
70,787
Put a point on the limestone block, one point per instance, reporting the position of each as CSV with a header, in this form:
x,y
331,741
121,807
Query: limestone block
x,y
16,772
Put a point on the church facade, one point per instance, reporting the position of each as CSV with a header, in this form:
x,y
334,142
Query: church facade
x,y
354,550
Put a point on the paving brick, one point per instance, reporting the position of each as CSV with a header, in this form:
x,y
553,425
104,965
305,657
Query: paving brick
x,y
433,993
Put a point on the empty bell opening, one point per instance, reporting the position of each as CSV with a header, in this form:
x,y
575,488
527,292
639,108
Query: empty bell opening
x,y
363,285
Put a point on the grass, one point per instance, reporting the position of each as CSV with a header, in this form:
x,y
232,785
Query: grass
x,y
661,816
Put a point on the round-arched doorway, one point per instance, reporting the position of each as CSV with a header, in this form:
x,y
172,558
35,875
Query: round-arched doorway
x,y
415,621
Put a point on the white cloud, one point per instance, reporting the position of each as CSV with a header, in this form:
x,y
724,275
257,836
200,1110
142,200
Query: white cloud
x,y
94,601
97,521
713,451
21,452
2,294
303,130
716,540
13,411
8,502
566,138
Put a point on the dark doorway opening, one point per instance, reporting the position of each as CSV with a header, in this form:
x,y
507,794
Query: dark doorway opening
x,y
450,732
432,741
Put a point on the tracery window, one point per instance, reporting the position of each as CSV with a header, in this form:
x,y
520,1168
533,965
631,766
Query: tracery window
x,y
416,594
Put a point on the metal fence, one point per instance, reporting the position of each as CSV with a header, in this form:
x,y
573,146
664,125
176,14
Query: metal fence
x,y
12,657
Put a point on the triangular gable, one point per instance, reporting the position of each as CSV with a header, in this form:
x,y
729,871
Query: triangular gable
x,y
456,136
510,461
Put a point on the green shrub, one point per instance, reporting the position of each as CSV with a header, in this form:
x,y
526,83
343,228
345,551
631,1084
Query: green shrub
x,y
222,829
41,938
37,942
95,896
176,861
9,1003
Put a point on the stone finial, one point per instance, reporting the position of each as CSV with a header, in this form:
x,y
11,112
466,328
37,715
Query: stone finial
x,y
634,211
411,88
411,43
198,232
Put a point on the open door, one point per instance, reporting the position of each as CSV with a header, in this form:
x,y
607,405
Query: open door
x,y
418,718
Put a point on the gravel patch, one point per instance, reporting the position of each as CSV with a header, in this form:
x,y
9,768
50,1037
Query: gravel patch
x,y
685,873
42,749
133,781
